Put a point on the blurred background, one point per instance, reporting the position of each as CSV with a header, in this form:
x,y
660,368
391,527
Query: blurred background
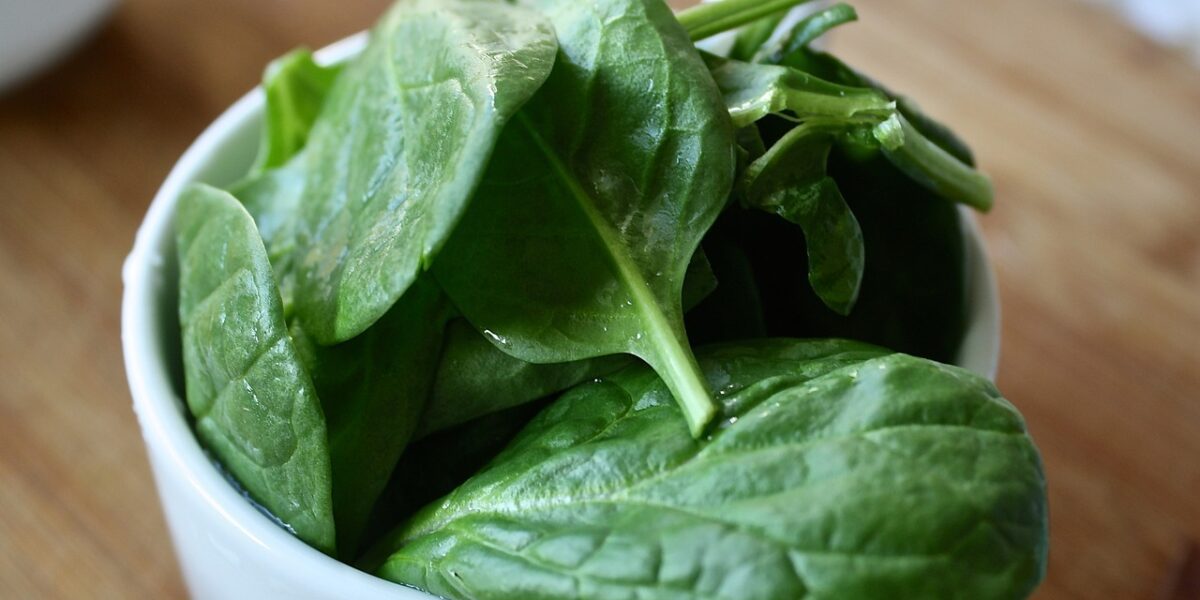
x,y
1085,112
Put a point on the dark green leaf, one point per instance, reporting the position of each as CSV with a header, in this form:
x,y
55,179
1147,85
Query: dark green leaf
x,y
913,294
254,403
374,389
790,181
400,147
475,378
596,199
875,475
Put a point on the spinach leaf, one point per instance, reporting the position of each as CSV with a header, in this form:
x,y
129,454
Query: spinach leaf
x,y
295,87
254,403
400,147
273,197
876,475
475,378
433,466
373,390
912,297
790,181
577,242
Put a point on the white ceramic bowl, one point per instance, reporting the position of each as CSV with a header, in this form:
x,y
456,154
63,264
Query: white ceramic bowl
x,y
34,33
229,550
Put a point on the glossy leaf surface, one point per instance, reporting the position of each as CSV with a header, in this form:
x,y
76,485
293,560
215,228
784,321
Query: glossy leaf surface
x,y
577,243
399,149
254,403
876,475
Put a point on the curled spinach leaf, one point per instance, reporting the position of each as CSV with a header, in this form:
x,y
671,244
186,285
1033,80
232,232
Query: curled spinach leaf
x,y
399,149
605,494
790,181
577,242
253,401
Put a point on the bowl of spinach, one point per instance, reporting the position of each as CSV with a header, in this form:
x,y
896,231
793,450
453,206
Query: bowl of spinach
x,y
538,300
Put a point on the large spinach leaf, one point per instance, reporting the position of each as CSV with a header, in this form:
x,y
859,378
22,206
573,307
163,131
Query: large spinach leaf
x,y
875,475
577,242
399,148
253,401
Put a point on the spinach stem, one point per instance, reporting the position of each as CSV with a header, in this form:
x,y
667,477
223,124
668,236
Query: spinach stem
x,y
707,20
932,166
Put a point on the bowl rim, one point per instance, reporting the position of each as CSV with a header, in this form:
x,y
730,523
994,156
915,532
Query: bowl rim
x,y
161,412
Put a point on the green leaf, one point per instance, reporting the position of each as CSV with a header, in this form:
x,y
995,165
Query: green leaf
x,y
596,199
875,475
295,87
399,149
709,19
790,181
374,389
804,33
273,197
433,466
475,378
913,293
254,403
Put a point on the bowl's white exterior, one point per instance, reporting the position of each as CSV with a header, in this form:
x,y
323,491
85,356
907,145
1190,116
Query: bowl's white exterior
x,y
34,33
227,549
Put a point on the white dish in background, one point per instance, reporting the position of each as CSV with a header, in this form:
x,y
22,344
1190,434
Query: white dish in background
x,y
35,33
227,549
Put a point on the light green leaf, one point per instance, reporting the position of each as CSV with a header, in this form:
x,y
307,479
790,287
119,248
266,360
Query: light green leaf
x,y
295,87
400,147
254,403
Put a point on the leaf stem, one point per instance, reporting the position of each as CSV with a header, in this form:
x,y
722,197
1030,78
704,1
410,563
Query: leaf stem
x,y
706,20
931,166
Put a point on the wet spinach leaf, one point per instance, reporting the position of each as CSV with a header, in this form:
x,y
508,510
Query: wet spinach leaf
x,y
253,401
605,493
399,148
623,160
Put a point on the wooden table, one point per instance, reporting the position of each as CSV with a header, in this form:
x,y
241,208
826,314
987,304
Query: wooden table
x,y
1092,135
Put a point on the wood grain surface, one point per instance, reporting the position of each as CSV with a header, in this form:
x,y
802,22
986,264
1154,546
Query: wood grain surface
x,y
1092,136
